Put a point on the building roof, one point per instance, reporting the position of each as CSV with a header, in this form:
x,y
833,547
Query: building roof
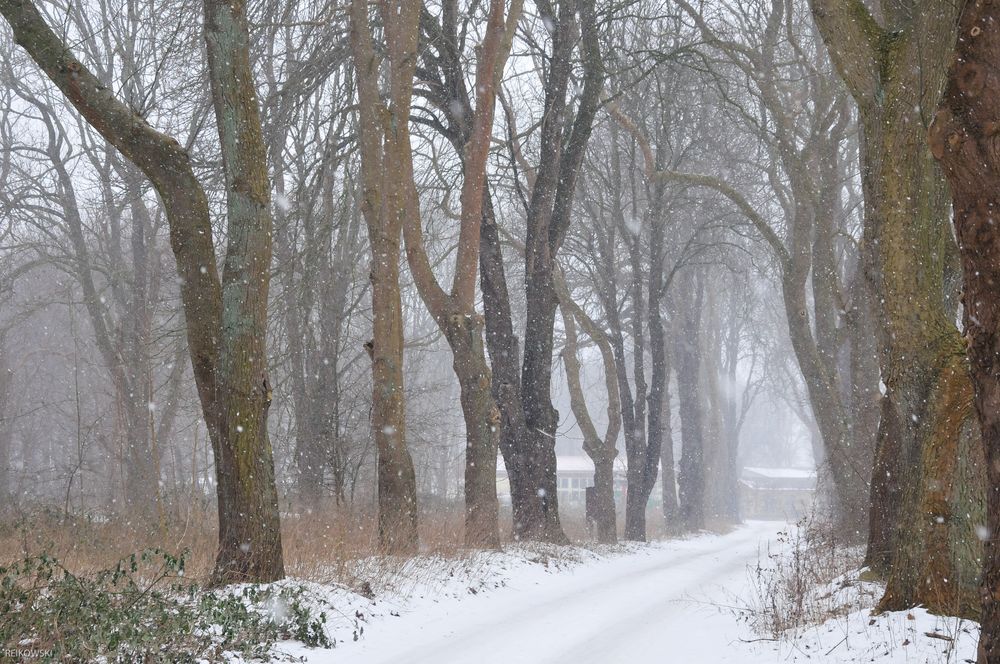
x,y
576,463
775,473
779,478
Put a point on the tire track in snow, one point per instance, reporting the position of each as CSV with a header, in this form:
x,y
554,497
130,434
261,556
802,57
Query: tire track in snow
x,y
593,613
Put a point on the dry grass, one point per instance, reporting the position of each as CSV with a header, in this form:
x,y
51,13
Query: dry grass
x,y
333,544
809,578
317,546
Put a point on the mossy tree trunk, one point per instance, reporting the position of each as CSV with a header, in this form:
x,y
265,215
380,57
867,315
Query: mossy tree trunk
x,y
965,140
224,324
249,526
921,536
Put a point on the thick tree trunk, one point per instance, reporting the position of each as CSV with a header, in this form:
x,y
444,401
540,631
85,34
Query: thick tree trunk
x,y
540,514
397,484
908,251
886,491
965,141
928,394
505,360
249,525
225,327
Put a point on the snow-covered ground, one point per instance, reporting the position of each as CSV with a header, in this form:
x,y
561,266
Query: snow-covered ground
x,y
680,601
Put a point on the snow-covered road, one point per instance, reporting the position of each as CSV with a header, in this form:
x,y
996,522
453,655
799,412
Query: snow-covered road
x,y
664,603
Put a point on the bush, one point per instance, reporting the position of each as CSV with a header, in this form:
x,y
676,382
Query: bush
x,y
810,577
143,610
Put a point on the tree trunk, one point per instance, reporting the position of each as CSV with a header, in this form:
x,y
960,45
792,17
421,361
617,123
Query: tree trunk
x,y
668,487
601,452
384,142
964,140
928,395
548,219
225,327
639,488
454,312
249,525
691,480
907,254
482,429
832,419
505,358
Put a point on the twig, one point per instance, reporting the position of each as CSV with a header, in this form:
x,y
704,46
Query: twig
x,y
836,646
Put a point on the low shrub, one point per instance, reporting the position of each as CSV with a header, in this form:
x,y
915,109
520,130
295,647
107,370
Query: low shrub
x,y
809,577
144,610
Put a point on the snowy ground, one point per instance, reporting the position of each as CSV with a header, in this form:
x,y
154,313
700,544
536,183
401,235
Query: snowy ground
x,y
678,601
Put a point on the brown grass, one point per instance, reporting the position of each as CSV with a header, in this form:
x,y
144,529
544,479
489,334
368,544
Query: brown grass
x,y
333,544
798,584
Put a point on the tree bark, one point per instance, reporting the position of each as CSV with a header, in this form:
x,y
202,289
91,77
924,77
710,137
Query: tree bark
x,y
691,480
384,146
964,139
908,249
601,451
249,525
226,355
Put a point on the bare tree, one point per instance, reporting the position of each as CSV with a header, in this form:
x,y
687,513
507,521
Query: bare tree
x,y
225,318
386,202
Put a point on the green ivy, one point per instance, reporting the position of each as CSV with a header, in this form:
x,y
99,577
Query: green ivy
x,y
143,610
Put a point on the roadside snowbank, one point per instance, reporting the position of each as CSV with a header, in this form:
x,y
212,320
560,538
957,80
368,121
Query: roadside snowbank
x,y
683,601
